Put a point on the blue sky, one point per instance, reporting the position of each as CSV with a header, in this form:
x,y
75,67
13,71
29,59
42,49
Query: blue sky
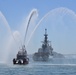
x,y
16,10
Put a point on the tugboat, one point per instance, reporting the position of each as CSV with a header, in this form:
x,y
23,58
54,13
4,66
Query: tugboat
x,y
21,57
44,52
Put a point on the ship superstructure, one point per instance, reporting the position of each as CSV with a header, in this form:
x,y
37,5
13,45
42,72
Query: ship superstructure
x,y
44,52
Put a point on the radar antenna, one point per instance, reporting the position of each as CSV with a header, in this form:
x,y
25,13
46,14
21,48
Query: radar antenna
x,y
45,39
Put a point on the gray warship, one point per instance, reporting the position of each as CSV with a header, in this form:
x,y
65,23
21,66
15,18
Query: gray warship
x,y
46,51
21,57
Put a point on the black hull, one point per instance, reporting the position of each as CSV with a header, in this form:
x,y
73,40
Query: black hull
x,y
20,62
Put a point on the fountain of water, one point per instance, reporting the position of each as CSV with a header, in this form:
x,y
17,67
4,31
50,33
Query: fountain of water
x,y
5,35
32,13
60,22
14,48
55,12
56,16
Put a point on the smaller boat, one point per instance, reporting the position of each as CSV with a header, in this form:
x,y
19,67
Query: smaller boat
x,y
21,57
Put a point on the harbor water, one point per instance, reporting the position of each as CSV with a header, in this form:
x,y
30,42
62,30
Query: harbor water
x,y
56,66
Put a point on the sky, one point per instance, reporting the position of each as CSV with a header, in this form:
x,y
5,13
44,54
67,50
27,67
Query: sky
x,y
16,10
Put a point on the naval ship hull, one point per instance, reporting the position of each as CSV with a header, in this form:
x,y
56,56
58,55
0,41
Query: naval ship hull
x,y
40,57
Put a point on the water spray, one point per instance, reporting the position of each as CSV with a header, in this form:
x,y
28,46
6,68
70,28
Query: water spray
x,y
7,25
34,11
53,12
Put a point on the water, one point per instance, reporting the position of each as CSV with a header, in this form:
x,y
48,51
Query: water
x,y
11,41
32,13
39,68
61,21
55,66
57,21
54,14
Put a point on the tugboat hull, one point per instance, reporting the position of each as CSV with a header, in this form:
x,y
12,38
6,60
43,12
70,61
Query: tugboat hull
x,y
20,61
21,58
